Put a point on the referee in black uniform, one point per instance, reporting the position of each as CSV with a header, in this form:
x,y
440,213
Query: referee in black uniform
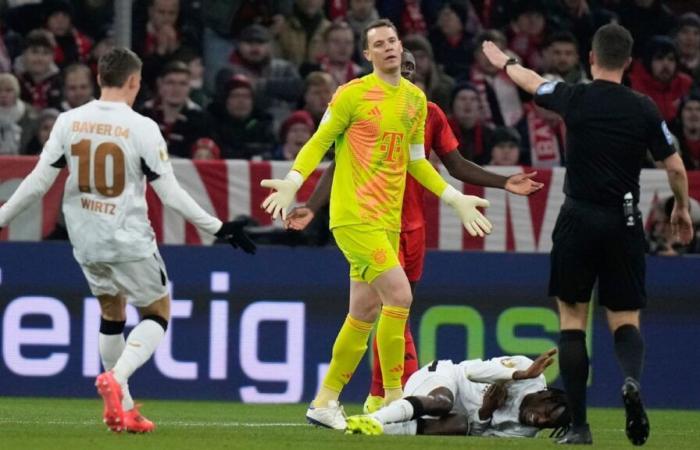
x,y
599,234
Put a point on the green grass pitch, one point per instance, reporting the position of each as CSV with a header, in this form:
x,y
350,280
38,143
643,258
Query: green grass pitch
x,y
38,423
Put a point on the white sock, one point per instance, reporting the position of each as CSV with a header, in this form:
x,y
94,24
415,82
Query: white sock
x,y
140,345
111,348
409,428
398,411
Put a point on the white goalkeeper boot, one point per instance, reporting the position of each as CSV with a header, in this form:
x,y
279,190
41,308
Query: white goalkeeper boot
x,y
332,416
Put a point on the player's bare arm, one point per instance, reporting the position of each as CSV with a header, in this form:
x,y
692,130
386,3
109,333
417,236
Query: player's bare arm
x,y
538,366
468,172
494,397
301,216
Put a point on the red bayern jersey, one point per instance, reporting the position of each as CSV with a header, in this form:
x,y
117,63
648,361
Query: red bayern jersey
x,y
438,137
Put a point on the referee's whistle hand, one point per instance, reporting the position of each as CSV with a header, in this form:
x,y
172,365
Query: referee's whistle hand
x,y
681,225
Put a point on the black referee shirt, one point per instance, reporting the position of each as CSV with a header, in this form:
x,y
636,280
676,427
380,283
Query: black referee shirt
x,y
609,130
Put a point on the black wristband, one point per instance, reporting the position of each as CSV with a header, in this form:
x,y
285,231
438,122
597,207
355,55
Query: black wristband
x,y
510,62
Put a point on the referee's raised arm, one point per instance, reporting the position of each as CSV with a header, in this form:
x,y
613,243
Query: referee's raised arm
x,y
526,79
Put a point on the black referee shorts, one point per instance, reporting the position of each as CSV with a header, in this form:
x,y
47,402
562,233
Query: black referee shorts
x,y
592,242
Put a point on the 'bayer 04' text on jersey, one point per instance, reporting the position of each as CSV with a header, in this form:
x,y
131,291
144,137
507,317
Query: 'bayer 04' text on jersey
x,y
110,151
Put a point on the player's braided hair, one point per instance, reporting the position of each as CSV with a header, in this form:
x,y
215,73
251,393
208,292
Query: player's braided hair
x,y
563,419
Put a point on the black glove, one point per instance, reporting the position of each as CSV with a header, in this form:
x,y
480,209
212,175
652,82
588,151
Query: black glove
x,y
234,234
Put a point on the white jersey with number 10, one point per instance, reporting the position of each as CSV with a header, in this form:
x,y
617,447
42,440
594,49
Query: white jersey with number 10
x,y
110,151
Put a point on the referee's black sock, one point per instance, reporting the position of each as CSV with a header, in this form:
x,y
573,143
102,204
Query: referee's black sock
x,y
573,365
629,347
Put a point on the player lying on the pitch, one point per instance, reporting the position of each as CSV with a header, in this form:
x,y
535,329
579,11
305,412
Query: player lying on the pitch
x,y
503,397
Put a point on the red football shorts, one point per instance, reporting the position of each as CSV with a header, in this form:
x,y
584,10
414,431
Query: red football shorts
x,y
412,253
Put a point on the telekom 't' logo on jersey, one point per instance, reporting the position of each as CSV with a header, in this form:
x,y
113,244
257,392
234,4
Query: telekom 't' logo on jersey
x,y
391,145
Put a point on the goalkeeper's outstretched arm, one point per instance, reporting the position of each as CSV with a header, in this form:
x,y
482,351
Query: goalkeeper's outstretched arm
x,y
335,121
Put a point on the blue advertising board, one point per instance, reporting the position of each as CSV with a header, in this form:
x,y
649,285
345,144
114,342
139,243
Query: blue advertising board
x,y
261,328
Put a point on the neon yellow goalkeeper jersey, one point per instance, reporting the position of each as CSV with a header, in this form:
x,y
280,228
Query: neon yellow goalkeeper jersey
x,y
372,124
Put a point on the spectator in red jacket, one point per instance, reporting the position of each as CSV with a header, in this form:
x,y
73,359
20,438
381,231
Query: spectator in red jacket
x,y
466,121
70,45
658,76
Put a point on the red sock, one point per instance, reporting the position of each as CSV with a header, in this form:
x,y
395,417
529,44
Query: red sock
x,y
376,388
410,364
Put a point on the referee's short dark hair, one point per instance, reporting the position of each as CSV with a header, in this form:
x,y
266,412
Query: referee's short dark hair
x,y
612,46
376,24
115,67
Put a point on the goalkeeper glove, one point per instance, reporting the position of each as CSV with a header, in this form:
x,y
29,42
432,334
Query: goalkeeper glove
x,y
234,234
284,195
465,205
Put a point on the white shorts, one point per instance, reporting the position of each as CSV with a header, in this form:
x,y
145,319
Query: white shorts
x,y
431,377
143,281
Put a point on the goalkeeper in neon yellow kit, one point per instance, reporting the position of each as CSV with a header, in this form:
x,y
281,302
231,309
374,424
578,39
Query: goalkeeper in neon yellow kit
x,y
377,124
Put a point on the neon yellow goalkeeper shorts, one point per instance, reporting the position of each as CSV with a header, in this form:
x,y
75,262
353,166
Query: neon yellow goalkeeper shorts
x,y
371,251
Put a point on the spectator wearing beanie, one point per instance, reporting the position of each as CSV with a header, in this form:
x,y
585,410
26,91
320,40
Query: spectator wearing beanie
x,y
205,149
71,45
294,133
466,121
505,147
451,42
240,129
39,77
658,77
688,41
438,85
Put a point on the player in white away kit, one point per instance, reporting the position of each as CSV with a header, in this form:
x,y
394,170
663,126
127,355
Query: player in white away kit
x,y
111,151
503,397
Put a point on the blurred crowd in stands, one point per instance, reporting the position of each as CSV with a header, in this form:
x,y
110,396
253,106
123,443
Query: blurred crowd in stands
x,y
250,79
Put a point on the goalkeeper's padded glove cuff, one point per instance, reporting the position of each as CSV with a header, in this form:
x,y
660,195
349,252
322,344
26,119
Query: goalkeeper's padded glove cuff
x,y
295,177
450,195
